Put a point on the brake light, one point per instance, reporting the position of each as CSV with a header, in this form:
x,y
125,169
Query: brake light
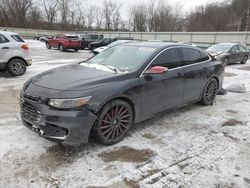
x,y
25,47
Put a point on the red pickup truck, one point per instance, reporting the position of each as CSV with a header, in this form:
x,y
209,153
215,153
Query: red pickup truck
x,y
64,42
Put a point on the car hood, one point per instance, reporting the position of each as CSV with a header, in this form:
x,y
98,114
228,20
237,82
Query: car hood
x,y
74,78
215,53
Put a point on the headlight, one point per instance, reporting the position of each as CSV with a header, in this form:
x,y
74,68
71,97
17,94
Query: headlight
x,y
68,103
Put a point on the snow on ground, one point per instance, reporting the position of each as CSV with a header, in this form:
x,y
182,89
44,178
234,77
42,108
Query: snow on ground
x,y
195,146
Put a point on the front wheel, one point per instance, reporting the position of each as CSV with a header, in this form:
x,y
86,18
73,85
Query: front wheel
x,y
210,92
244,61
115,120
61,48
16,67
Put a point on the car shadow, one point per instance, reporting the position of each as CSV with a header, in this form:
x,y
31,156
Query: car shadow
x,y
70,154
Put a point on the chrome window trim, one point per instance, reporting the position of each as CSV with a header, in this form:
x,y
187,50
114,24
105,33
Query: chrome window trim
x,y
180,66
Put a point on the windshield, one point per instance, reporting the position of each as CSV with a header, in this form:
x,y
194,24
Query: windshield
x,y
123,58
220,48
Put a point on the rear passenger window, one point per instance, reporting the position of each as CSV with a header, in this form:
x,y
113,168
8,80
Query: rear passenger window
x,y
190,56
17,38
204,56
168,58
3,39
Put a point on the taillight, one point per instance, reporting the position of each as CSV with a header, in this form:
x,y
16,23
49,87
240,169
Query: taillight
x,y
25,47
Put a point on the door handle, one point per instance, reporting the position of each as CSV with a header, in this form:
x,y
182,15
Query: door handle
x,y
5,48
204,68
180,74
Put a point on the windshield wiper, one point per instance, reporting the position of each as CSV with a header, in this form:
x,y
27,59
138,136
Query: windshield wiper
x,y
111,68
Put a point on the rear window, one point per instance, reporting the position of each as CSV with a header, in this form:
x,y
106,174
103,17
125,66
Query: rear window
x,y
3,39
17,38
204,57
94,37
72,37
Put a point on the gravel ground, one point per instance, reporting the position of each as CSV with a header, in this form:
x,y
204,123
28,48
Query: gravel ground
x,y
195,146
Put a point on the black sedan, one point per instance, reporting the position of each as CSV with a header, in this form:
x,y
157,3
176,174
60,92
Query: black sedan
x,y
103,42
111,91
229,53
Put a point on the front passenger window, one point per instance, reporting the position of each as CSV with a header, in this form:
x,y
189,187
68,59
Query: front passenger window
x,y
168,58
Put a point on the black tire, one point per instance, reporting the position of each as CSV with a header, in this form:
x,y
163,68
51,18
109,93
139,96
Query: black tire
x,y
16,67
61,48
48,46
226,61
114,121
76,50
244,61
210,92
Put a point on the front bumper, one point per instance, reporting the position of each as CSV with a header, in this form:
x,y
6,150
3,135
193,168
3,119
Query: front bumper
x,y
28,61
65,127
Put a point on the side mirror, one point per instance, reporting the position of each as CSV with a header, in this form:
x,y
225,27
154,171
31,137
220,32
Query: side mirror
x,y
156,70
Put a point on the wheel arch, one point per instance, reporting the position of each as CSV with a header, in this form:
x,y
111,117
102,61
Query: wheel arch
x,y
122,98
18,57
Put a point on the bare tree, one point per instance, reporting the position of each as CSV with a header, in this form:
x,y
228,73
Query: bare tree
x,y
98,18
50,10
138,17
19,10
90,15
111,13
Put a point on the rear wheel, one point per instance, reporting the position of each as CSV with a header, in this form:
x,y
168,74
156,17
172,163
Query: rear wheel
x,y
244,61
16,67
226,61
210,92
76,50
114,122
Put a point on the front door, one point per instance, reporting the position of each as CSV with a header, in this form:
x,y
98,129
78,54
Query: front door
x,y
161,92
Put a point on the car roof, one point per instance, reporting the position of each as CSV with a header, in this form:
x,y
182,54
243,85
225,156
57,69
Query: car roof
x,y
7,33
229,44
157,45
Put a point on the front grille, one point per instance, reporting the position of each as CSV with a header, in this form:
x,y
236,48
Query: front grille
x,y
34,98
29,112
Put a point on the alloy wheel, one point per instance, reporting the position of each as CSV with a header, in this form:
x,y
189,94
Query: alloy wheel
x,y
211,91
115,120
17,67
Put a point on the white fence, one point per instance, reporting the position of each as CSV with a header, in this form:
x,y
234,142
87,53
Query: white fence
x,y
205,38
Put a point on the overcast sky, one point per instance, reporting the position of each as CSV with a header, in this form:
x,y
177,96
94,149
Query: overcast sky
x,y
187,5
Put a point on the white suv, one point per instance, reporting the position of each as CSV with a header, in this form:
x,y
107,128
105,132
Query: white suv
x,y
14,53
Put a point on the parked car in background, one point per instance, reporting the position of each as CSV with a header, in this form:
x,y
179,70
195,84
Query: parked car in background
x,y
14,53
45,38
111,91
229,53
115,43
37,37
87,39
64,42
103,42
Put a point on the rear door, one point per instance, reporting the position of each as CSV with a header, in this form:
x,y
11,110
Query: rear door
x,y
164,91
195,65
235,54
4,49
